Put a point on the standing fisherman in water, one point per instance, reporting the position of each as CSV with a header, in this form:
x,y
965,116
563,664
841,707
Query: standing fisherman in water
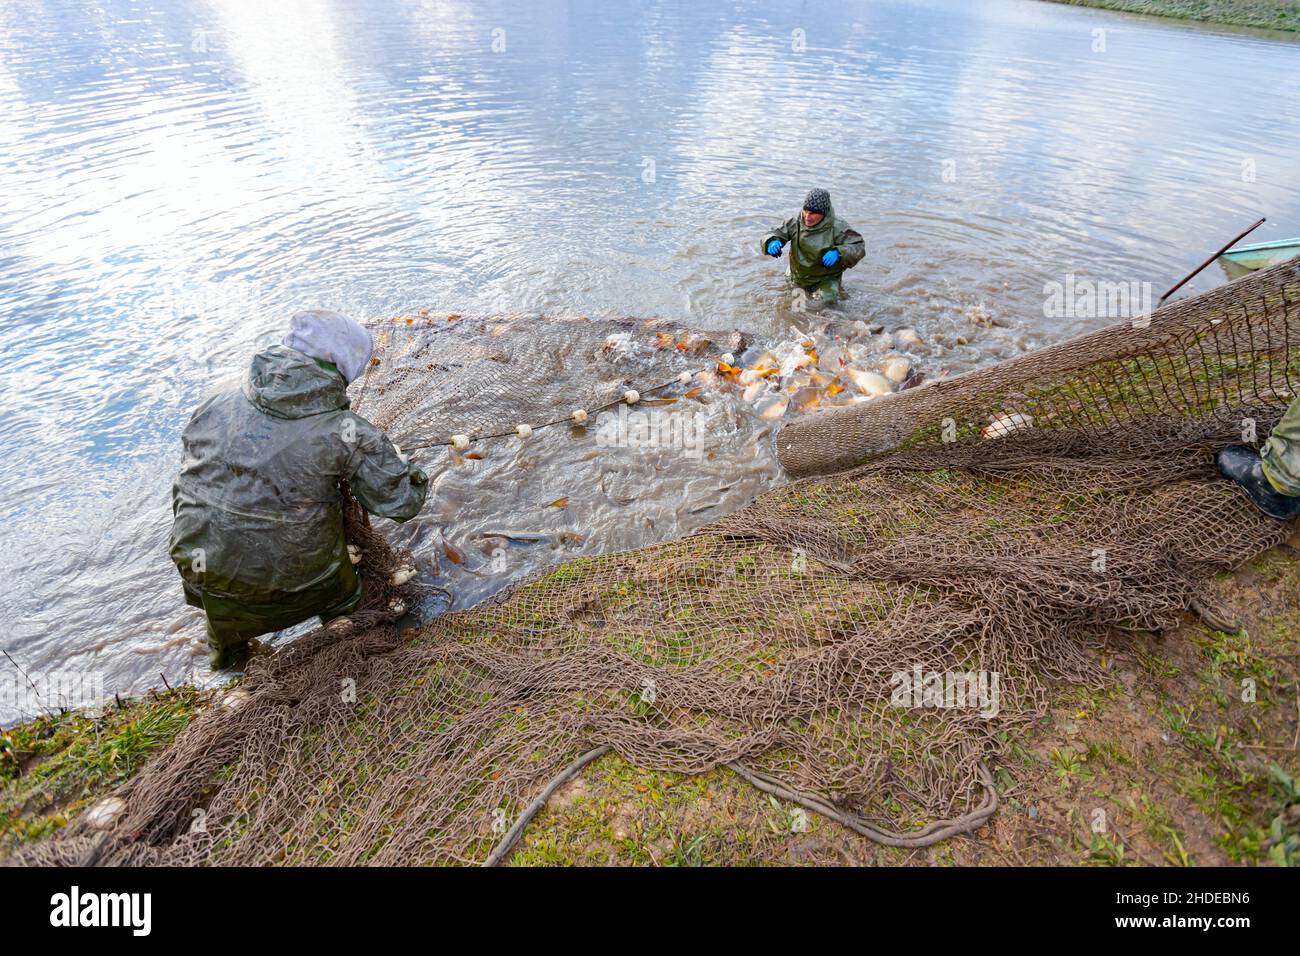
x,y
821,248
258,528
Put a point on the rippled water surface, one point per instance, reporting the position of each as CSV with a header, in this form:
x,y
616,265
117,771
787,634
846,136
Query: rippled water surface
x,y
176,177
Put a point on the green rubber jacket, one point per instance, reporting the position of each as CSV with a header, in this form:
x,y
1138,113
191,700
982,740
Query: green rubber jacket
x,y
258,522
805,247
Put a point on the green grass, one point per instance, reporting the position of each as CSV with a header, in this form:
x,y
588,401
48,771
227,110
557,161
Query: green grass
x,y
1268,14
54,766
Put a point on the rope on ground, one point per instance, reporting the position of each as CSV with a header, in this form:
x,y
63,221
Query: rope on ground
x,y
933,833
1215,617
568,773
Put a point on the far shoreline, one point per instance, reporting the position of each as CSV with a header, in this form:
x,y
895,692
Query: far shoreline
x,y
1280,15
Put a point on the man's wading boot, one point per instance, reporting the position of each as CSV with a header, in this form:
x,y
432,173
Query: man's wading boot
x,y
1241,464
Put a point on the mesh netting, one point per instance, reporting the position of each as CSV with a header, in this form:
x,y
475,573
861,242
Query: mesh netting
x,y
999,527
486,375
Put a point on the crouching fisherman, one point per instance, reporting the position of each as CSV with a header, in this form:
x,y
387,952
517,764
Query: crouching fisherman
x,y
821,248
1271,475
258,527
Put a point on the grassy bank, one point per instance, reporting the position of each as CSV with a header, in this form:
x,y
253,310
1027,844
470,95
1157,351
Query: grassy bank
x,y
1188,757
1266,14
54,767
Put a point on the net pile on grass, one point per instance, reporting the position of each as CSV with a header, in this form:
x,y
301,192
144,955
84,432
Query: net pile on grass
x,y
781,640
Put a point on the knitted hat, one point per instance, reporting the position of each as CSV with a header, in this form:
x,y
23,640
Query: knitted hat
x,y
819,200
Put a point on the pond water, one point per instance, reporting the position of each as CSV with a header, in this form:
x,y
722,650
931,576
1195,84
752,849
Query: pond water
x,y
177,176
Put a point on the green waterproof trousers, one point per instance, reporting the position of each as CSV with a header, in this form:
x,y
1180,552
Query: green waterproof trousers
x,y
1280,455
827,290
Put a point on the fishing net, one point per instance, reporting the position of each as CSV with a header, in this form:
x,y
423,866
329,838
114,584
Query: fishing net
x,y
486,375
864,641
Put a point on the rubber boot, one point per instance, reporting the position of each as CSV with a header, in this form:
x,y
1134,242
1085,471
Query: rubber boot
x,y
231,656
237,657
1241,464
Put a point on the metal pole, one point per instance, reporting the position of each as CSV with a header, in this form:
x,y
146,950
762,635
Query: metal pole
x,y
1192,275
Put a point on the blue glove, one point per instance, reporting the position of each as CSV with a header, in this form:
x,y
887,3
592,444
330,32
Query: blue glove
x,y
774,248
830,257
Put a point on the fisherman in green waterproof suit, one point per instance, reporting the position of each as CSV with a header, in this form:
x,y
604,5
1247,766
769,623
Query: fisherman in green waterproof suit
x,y
822,246
1271,476
258,529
